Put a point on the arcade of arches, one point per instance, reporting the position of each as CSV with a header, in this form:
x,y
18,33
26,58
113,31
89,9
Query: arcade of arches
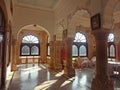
x,y
59,35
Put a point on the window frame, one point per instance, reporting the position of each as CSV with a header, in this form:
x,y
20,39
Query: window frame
x,y
30,45
48,45
111,42
79,44
109,45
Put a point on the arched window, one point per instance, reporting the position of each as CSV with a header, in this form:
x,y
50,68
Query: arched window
x,y
25,50
82,51
112,51
34,50
74,50
48,50
111,46
79,47
30,46
111,37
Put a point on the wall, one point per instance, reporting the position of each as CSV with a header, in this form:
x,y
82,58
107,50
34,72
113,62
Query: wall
x,y
25,16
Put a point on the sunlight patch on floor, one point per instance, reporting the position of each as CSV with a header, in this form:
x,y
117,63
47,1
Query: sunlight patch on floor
x,y
59,74
67,81
42,66
45,85
83,80
31,69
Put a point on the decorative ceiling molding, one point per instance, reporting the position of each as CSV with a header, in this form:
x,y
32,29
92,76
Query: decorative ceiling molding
x,y
38,4
33,7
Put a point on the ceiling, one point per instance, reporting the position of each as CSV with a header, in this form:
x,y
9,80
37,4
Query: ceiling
x,y
39,3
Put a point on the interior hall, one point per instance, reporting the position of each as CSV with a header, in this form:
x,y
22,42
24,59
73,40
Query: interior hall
x,y
59,44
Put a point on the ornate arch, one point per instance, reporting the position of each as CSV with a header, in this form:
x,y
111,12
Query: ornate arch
x,y
108,13
59,32
33,27
79,18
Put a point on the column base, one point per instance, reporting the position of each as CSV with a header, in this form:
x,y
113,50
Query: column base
x,y
68,71
14,68
98,84
69,74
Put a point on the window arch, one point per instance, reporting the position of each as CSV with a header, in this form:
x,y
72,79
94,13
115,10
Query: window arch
x,y
30,39
111,37
79,47
111,46
30,46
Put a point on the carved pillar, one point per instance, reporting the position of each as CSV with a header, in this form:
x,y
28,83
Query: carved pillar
x,y
68,69
117,51
58,65
52,55
43,48
14,54
101,80
3,63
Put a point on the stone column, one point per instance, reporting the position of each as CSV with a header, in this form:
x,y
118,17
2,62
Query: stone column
x,y
14,55
58,65
101,80
116,51
68,69
52,55
3,64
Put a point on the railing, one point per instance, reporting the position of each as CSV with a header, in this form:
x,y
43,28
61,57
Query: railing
x,y
30,59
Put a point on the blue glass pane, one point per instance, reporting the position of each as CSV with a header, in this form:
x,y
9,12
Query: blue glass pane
x,y
74,50
112,51
25,50
34,50
82,51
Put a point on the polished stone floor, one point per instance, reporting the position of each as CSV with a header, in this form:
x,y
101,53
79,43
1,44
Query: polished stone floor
x,y
38,77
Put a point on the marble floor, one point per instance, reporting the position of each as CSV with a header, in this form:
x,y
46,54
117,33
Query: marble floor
x,y
38,77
